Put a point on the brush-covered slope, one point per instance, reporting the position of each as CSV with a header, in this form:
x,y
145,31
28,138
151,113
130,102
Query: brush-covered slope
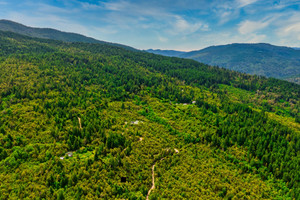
x,y
49,33
90,121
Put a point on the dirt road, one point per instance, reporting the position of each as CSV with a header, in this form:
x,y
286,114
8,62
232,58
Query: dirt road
x,y
153,182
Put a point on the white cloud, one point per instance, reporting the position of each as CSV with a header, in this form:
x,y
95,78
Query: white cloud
x,y
137,9
162,39
183,27
147,15
116,6
254,38
225,11
247,26
292,28
89,6
227,15
45,8
53,9
285,3
243,3
289,29
3,3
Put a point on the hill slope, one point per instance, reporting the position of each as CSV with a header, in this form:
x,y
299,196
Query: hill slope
x,y
81,121
260,59
48,33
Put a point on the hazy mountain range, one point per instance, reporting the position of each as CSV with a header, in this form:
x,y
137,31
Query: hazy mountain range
x,y
261,59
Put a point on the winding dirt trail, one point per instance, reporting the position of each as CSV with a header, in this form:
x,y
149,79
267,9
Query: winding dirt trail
x,y
153,176
153,183
79,121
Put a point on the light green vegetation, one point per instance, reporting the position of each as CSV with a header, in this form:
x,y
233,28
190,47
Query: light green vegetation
x,y
135,109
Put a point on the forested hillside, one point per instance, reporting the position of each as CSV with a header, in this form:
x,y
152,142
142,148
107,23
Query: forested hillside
x,y
96,121
49,33
260,59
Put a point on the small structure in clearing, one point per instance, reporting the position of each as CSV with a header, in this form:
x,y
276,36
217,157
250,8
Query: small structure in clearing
x,y
69,154
136,122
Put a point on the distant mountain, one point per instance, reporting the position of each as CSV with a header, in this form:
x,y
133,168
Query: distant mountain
x,y
261,59
297,48
48,33
170,53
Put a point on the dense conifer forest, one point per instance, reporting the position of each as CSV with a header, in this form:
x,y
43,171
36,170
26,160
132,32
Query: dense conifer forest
x,y
95,121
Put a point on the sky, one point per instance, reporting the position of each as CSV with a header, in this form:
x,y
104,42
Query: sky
x,y
165,24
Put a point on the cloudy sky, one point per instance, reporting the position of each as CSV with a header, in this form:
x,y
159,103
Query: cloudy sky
x,y
165,24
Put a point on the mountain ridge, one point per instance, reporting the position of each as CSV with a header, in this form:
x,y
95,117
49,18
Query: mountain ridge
x,y
50,33
259,58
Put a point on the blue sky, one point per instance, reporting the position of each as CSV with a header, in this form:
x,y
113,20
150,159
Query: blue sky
x,y
165,24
